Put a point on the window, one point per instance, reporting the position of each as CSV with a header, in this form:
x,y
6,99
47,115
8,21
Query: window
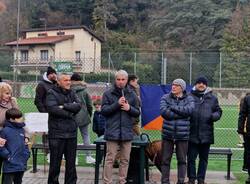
x,y
60,33
42,34
24,55
44,55
78,55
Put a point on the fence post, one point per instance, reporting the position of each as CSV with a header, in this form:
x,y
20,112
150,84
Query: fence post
x,y
109,60
135,63
220,70
164,69
190,67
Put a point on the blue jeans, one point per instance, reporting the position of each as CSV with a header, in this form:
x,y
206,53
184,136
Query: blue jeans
x,y
193,151
85,137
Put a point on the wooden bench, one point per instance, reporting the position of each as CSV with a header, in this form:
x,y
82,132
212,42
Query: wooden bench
x,y
36,147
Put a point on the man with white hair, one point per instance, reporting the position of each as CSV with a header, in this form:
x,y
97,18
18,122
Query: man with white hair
x,y
62,105
119,106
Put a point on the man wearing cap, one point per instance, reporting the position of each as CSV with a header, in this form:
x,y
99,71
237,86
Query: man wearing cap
x,y
49,79
176,109
206,112
48,82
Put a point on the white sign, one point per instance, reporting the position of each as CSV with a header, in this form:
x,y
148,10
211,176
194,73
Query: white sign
x,y
36,122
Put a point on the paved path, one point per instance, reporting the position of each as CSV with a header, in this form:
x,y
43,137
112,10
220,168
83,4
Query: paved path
x,y
86,176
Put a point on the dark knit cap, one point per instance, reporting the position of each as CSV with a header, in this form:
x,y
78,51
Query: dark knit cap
x,y
76,77
201,79
50,70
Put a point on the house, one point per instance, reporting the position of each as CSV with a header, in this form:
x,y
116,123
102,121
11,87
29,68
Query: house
x,y
75,45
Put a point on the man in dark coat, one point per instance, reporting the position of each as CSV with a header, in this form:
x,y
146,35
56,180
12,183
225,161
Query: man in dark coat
x,y
62,105
119,106
49,79
206,112
176,109
244,129
48,82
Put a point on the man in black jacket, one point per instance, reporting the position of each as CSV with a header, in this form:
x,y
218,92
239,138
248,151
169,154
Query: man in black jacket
x,y
119,106
62,106
49,80
206,112
244,129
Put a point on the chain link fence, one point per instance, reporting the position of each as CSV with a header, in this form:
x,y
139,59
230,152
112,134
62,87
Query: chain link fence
x,y
151,68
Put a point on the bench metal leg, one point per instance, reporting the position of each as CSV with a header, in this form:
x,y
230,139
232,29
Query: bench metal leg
x,y
97,162
228,166
147,168
34,159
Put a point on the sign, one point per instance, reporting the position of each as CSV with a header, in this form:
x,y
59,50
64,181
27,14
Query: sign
x,y
63,66
36,122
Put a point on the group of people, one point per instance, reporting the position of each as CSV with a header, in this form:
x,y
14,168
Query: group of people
x,y
14,137
188,126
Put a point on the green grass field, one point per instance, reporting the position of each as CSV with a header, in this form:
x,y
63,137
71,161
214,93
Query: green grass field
x,y
225,136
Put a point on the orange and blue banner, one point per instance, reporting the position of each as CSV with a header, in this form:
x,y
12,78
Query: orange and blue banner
x,y
150,110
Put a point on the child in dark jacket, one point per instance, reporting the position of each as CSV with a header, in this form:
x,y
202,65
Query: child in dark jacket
x,y
99,120
15,152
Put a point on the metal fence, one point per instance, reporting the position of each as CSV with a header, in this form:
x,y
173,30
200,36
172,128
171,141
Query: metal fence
x,y
152,68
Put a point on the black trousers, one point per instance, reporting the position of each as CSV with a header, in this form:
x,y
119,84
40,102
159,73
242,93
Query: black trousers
x,y
193,151
10,178
245,152
181,154
247,149
58,148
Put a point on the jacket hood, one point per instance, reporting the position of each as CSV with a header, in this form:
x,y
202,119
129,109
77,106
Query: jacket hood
x,y
14,124
207,90
78,85
45,78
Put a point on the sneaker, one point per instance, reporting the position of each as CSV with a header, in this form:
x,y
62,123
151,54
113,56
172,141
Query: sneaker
x,y
240,145
90,160
48,158
244,170
76,161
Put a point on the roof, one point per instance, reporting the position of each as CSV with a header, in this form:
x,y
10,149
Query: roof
x,y
41,40
91,32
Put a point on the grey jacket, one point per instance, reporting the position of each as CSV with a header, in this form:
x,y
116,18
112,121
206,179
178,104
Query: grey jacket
x,y
119,123
83,117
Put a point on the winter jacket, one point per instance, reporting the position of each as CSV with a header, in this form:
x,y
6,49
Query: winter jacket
x,y
15,152
41,91
206,112
83,117
119,123
4,107
99,122
176,113
62,106
244,117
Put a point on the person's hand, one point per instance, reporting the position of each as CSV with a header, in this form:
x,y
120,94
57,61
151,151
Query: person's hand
x,y
122,100
125,106
2,142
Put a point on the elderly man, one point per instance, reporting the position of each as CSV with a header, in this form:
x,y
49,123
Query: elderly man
x,y
119,106
62,105
206,112
176,109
